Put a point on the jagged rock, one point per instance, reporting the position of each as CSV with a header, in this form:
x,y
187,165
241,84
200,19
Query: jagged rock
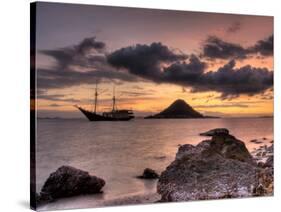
x,y
217,131
67,181
269,161
218,168
149,174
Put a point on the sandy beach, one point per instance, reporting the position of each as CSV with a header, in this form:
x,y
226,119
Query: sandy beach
x,y
88,202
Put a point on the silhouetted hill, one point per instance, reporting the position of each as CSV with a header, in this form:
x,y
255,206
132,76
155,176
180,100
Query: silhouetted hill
x,y
178,109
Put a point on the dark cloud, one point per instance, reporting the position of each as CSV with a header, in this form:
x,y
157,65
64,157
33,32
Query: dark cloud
x,y
263,47
144,60
160,64
184,73
227,80
88,44
84,63
86,53
232,82
216,48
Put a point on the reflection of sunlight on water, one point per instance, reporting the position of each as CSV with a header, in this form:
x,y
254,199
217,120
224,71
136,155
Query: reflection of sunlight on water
x,y
119,151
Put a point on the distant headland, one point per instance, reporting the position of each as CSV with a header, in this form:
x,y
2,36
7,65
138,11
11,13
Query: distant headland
x,y
179,109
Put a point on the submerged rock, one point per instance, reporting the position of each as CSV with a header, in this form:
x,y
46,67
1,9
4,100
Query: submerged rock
x,y
68,181
255,141
149,174
221,167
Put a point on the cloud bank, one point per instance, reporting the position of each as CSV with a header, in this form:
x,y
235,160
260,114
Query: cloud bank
x,y
87,53
88,61
84,63
216,48
142,61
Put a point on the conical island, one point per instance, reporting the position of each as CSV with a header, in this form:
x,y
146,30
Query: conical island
x,y
178,109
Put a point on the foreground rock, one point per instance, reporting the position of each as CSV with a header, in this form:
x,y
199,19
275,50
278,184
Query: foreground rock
x,y
67,181
217,168
149,174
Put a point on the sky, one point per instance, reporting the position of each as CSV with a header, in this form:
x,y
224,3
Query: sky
x,y
220,64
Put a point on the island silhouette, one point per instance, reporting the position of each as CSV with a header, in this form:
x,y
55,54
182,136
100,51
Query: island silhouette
x,y
179,109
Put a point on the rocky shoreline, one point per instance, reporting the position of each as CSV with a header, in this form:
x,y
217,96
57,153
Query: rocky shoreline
x,y
216,168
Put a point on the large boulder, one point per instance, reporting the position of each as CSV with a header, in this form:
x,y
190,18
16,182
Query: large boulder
x,y
68,181
217,168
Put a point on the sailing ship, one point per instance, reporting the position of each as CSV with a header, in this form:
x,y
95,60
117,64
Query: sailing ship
x,y
113,115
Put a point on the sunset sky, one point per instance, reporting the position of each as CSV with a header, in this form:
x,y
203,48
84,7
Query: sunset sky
x,y
220,64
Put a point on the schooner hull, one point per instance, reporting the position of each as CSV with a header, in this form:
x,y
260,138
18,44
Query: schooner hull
x,y
96,117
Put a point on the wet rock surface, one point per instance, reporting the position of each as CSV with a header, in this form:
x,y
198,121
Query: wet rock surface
x,y
220,167
68,181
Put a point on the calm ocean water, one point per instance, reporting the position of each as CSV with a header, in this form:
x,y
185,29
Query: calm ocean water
x,y
119,151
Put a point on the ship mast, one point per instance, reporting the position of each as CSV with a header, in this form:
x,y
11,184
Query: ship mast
x,y
114,100
96,97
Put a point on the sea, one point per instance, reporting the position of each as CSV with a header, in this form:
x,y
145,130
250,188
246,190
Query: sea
x,y
120,151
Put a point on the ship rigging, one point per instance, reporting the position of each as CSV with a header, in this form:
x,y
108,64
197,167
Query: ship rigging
x,y
113,115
